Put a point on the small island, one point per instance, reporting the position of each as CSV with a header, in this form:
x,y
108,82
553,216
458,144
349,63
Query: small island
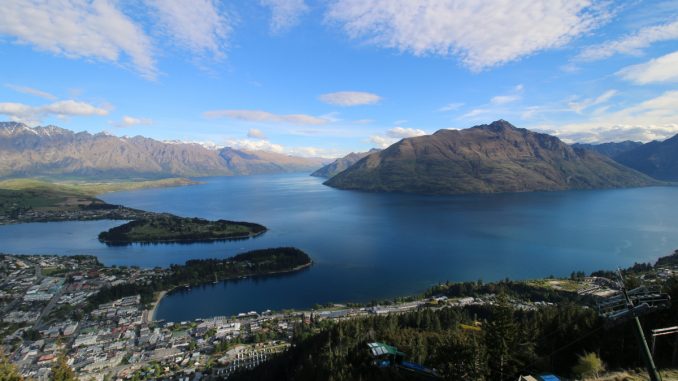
x,y
167,228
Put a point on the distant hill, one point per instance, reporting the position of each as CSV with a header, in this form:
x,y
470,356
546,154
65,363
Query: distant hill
x,y
342,164
56,152
260,162
488,158
610,149
656,159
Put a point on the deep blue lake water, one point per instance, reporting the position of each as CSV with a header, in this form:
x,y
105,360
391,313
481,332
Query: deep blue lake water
x,y
370,246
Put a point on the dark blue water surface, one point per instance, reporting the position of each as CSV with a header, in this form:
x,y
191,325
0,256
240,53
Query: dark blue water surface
x,y
373,246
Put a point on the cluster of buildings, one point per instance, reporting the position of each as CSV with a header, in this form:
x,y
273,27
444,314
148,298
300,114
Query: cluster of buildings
x,y
46,311
93,212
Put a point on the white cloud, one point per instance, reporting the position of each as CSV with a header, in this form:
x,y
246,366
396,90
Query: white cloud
x,y
78,28
382,141
659,70
350,98
476,112
451,107
504,99
255,134
265,116
483,33
199,26
652,119
579,106
255,145
400,132
129,121
393,135
31,91
513,96
315,152
632,44
285,13
33,114
265,145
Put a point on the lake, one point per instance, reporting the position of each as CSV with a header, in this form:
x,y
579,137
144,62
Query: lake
x,y
369,246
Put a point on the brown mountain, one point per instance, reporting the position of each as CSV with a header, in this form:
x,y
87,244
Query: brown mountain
x,y
56,152
488,158
341,164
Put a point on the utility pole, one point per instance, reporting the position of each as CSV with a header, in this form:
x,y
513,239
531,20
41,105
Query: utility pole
x,y
630,305
640,336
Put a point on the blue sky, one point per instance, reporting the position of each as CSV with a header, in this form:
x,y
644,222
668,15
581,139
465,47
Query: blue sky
x,y
332,76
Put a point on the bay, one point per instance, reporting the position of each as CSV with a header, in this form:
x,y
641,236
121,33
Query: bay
x,y
368,246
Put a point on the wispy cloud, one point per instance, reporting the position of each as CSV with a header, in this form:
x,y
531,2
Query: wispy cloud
x,y
200,26
285,14
31,91
350,98
129,121
265,145
482,34
394,134
514,95
34,114
451,107
255,134
101,30
631,44
663,69
78,28
579,106
400,132
255,145
653,119
265,116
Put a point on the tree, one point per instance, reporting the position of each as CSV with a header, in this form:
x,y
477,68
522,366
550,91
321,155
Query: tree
x,y
588,365
500,340
8,371
61,371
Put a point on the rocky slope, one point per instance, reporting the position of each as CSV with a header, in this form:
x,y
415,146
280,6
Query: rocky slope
x,y
341,164
488,158
56,152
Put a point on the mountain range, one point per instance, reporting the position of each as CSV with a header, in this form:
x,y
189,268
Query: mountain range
x,y
658,159
610,150
52,151
342,163
498,157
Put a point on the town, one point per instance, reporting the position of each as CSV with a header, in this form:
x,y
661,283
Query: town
x,y
47,311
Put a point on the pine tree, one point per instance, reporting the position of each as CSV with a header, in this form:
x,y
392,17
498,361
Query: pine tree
x,y
8,371
61,371
500,335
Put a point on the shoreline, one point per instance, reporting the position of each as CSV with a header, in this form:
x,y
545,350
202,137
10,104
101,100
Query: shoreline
x,y
150,315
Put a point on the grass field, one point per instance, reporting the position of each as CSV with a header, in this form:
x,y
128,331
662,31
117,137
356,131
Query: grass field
x,y
90,188
20,195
